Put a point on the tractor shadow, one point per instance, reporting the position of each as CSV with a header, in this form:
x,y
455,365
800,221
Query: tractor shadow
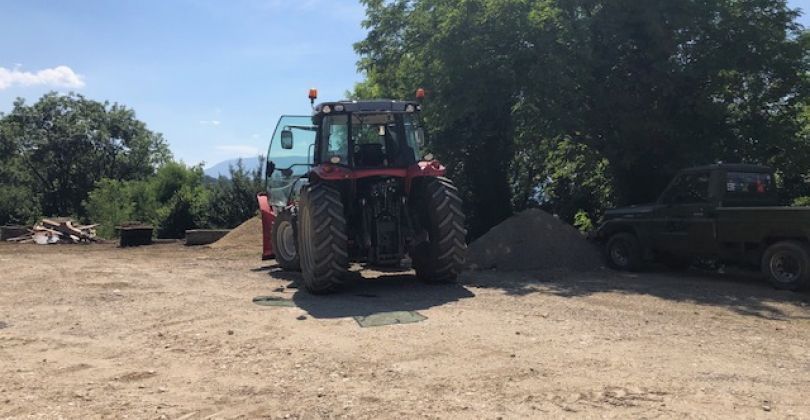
x,y
371,293
745,293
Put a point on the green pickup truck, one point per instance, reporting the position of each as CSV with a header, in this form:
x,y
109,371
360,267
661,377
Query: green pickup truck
x,y
724,211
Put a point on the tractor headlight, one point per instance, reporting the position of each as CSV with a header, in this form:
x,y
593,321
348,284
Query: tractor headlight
x,y
326,109
409,108
339,108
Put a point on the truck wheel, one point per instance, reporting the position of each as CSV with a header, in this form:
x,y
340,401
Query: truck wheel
x,y
623,252
284,241
441,258
787,265
322,239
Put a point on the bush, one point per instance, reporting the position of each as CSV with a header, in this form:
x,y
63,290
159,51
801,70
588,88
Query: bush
x,y
185,210
582,221
173,200
110,203
232,201
801,201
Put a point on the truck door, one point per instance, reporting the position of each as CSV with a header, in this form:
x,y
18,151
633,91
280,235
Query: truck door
x,y
288,163
688,226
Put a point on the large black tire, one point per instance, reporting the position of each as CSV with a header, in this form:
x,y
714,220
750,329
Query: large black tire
x,y
623,252
285,242
787,265
322,239
441,258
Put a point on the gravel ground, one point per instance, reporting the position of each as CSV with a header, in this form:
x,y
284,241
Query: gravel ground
x,y
171,332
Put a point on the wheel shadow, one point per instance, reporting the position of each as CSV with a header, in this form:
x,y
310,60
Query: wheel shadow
x,y
742,292
385,292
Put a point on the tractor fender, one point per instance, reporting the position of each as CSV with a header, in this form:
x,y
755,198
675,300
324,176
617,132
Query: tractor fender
x,y
268,217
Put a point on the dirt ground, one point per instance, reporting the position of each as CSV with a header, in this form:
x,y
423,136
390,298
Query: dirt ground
x,y
171,332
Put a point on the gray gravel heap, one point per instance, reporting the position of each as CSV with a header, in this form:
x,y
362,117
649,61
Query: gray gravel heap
x,y
533,240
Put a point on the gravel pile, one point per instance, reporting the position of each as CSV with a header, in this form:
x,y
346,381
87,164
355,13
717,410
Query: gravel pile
x,y
248,235
533,240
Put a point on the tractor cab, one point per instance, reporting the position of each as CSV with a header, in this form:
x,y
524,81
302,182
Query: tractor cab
x,y
368,134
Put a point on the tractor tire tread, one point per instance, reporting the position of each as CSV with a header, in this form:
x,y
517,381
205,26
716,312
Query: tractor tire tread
x,y
323,239
443,258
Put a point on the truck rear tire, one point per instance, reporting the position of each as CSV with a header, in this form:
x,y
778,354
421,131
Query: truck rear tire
x,y
285,242
623,252
441,258
322,239
787,265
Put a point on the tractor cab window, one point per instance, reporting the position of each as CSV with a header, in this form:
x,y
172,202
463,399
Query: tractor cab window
x,y
372,140
335,134
289,164
688,188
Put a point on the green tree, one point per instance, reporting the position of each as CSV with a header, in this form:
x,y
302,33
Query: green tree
x,y
582,104
60,146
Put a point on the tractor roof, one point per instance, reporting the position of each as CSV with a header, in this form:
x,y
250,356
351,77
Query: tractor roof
x,y
379,105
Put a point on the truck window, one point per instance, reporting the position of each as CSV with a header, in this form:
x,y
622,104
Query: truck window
x,y
748,182
688,188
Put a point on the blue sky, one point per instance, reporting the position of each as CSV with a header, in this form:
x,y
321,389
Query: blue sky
x,y
212,76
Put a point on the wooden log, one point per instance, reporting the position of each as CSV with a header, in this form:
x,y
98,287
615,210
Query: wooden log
x,y
19,238
44,229
50,222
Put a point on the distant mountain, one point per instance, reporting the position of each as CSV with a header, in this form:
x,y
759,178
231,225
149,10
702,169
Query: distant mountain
x,y
222,168
250,164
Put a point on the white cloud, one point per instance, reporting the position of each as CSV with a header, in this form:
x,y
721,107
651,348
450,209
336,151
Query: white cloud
x,y
59,76
239,150
210,122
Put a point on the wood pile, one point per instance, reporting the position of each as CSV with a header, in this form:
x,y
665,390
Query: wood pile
x,y
62,231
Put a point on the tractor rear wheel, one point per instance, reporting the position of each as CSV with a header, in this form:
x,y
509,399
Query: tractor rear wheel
x,y
441,258
284,241
322,239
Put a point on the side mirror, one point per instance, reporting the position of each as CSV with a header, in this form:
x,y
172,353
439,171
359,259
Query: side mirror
x,y
269,168
286,139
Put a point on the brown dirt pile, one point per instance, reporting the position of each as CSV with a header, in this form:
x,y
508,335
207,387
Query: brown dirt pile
x,y
248,235
533,240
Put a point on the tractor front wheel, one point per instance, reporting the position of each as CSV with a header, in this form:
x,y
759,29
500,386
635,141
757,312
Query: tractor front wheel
x,y
284,241
441,258
322,239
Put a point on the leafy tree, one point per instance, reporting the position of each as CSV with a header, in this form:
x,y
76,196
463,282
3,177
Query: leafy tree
x,y
582,104
59,147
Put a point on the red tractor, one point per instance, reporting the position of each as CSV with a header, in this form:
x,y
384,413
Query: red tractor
x,y
349,184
